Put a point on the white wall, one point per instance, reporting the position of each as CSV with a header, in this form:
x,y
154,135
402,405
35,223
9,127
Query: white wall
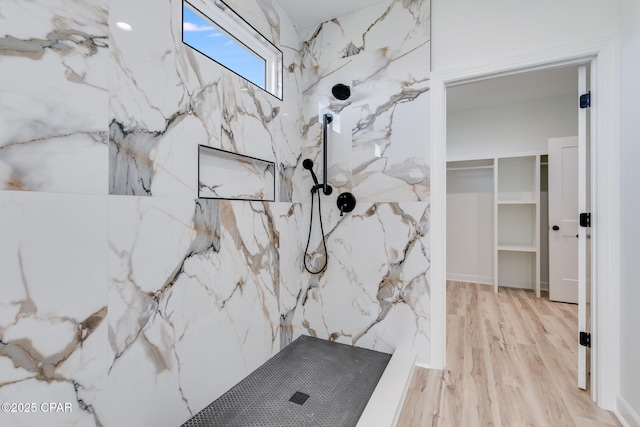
x,y
470,225
511,128
629,402
470,32
488,132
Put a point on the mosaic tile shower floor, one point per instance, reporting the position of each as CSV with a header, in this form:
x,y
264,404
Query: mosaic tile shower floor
x,y
311,382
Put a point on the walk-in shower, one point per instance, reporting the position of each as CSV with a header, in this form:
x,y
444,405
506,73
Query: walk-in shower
x,y
346,201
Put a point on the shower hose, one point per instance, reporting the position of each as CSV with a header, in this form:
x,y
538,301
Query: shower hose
x,y
315,191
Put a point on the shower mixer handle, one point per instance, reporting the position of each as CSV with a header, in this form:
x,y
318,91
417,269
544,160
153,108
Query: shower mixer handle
x,y
346,202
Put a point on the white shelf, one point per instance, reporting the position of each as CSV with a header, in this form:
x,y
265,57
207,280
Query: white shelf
x,y
516,202
517,248
470,164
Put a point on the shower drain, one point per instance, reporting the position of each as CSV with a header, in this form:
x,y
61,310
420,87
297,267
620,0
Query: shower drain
x,y
299,398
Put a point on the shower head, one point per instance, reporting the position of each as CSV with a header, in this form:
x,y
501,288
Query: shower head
x,y
308,164
341,92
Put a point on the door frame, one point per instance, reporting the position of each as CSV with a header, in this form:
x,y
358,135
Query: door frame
x,y
601,55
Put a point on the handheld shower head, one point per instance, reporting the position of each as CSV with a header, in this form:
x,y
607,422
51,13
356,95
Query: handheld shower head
x,y
326,188
308,164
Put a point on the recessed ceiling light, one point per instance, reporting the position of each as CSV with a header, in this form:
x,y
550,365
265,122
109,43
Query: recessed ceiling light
x,y
124,26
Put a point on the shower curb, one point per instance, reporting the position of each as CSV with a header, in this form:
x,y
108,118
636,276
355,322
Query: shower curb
x,y
385,404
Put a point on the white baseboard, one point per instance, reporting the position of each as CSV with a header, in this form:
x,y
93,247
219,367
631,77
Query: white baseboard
x,y
470,278
423,365
625,413
385,404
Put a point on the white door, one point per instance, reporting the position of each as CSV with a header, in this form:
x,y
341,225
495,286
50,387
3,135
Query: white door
x,y
563,219
570,243
584,233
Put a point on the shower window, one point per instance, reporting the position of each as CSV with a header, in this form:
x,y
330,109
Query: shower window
x,y
216,31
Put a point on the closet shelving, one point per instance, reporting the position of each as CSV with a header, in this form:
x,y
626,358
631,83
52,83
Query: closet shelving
x,y
517,222
516,217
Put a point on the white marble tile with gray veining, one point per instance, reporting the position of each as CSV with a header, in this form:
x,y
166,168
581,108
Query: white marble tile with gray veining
x,y
388,72
251,264
53,308
163,290
53,96
197,303
158,119
376,279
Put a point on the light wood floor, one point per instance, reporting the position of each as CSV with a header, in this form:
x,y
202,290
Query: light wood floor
x,y
511,361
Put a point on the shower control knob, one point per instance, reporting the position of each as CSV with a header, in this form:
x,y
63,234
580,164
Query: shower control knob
x,y
346,202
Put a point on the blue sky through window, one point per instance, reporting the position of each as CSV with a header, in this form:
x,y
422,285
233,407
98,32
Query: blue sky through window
x,y
201,35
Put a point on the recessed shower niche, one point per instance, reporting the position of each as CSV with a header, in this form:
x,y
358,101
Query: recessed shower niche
x,y
226,175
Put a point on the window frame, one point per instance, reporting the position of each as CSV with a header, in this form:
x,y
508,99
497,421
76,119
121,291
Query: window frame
x,y
218,14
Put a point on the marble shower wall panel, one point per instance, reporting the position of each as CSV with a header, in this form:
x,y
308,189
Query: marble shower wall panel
x,y
298,285
289,144
53,307
250,119
251,266
289,221
391,143
395,263
254,122
163,291
53,96
193,309
263,15
163,102
375,291
383,53
166,98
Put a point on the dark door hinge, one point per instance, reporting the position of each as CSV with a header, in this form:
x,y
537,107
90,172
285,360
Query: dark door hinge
x,y
585,339
585,220
585,100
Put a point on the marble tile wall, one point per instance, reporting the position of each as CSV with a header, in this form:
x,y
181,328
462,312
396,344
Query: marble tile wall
x,y
134,301
194,283
124,295
53,108
381,148
375,291
53,211
53,307
166,98
192,310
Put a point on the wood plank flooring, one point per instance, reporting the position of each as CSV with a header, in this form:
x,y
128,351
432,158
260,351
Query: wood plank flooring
x,y
511,361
